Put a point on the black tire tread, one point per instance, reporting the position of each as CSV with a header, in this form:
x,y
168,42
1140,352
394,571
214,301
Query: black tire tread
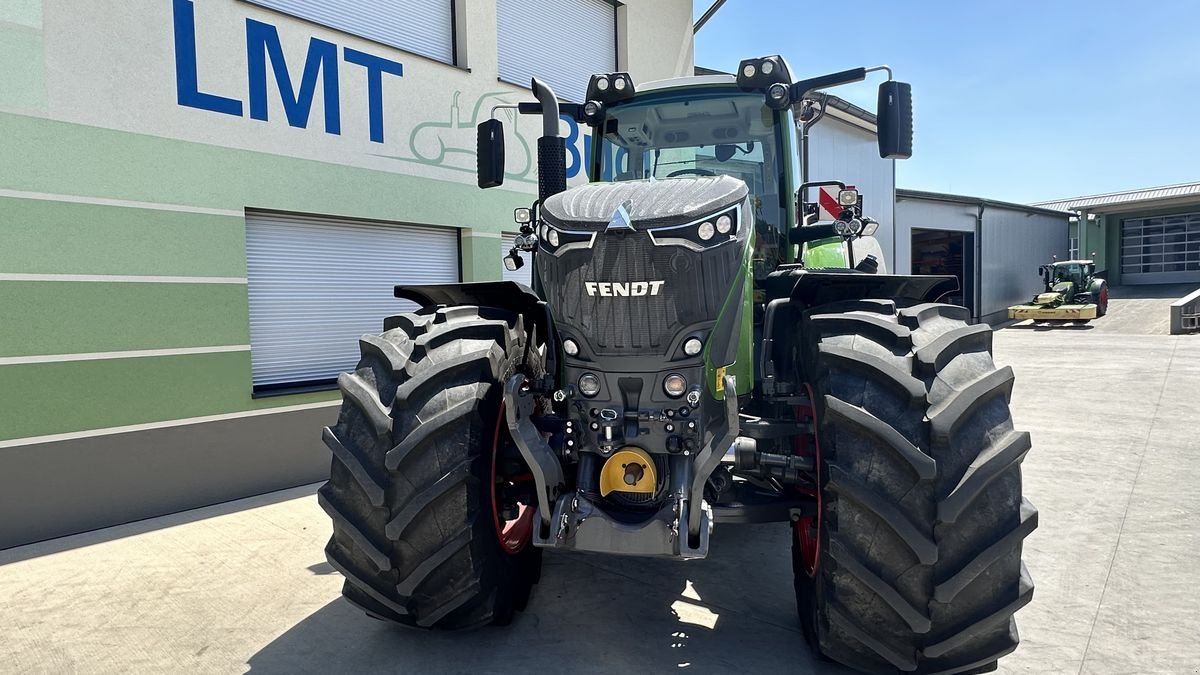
x,y
920,560
411,456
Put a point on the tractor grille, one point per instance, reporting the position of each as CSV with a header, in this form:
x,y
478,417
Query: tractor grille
x,y
694,287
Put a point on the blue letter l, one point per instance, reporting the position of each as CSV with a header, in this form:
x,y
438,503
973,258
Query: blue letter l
x,y
186,86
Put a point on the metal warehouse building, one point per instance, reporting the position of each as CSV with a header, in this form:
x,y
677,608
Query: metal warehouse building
x,y
203,204
993,247
1147,236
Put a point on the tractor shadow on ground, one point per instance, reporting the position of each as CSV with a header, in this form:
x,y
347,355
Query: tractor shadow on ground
x,y
734,611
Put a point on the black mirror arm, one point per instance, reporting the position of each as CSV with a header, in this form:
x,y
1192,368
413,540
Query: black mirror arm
x,y
799,89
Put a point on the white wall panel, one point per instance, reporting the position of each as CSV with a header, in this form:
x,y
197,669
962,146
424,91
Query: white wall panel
x,y
840,151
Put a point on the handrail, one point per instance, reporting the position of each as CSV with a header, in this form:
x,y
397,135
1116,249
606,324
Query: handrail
x,y
1185,313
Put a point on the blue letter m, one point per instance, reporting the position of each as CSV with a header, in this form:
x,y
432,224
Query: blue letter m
x,y
262,41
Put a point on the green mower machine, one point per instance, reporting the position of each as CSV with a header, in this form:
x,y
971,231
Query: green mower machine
x,y
1072,292
698,349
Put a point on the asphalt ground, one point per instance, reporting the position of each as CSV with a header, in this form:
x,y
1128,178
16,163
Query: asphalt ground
x,y
1114,470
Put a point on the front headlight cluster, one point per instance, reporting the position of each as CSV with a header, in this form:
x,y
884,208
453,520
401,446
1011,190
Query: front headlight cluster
x,y
555,241
710,231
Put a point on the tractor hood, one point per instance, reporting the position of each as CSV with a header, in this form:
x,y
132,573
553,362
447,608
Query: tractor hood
x,y
648,203
628,275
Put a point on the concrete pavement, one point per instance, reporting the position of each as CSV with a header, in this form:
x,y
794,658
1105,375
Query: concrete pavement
x,y
1114,470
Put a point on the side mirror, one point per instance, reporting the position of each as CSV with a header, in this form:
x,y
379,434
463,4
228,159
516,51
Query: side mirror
x,y
894,120
489,153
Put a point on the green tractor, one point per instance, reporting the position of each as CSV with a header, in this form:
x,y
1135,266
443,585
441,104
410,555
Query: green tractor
x,y
698,349
1072,292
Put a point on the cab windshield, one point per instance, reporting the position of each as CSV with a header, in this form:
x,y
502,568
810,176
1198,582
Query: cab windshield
x,y
697,133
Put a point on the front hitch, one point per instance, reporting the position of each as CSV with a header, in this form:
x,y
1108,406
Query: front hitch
x,y
543,462
706,461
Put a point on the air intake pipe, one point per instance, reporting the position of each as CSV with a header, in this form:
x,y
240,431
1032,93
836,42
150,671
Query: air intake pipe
x,y
552,153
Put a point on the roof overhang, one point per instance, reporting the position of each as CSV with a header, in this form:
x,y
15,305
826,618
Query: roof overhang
x,y
921,195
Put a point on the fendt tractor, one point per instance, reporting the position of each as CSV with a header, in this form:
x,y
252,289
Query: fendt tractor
x,y
1072,292
698,349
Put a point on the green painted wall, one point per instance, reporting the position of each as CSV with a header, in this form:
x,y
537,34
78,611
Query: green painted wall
x,y
54,398
42,236
72,159
55,317
481,257
23,74
47,237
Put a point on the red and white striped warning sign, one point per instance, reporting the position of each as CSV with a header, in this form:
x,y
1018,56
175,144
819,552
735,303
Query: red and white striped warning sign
x,y
827,200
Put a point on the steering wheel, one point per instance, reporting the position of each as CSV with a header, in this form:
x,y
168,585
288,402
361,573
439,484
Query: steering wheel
x,y
693,172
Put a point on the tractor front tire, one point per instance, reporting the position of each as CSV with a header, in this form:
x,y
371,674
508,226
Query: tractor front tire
x,y
410,488
921,520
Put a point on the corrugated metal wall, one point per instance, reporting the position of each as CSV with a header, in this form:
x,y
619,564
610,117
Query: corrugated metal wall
x,y
1014,244
841,151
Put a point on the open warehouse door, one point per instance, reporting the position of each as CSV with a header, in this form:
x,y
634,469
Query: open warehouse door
x,y
947,252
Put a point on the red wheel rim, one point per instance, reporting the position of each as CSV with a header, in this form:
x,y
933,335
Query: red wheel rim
x,y
808,528
513,534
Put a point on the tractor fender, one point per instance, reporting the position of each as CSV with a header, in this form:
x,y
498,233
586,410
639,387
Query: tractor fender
x,y
810,289
509,295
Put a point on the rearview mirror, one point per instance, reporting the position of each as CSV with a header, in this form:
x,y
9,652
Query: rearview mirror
x,y
894,120
724,152
489,153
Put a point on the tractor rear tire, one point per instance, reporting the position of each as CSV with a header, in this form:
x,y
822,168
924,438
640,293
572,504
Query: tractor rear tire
x,y
409,492
1100,297
921,514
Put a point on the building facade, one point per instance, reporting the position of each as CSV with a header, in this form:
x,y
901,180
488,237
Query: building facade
x,y
203,204
994,248
1146,236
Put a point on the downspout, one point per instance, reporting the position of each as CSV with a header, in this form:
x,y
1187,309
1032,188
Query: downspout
x,y
708,14
977,282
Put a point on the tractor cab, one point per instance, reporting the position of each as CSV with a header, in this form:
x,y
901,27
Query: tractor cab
x,y
1074,272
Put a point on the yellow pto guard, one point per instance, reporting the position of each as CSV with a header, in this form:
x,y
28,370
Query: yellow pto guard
x,y
1060,313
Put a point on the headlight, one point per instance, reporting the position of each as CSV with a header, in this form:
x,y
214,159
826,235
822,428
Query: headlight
x,y
692,346
674,385
602,84
552,237
749,70
705,231
570,347
724,224
589,384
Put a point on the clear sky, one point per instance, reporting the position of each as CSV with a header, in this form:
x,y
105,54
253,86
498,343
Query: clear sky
x,y
1019,101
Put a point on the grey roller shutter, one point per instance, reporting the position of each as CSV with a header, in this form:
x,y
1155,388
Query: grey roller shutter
x,y
424,27
562,42
523,275
317,284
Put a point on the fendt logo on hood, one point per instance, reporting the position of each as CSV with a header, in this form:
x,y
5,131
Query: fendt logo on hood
x,y
610,289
